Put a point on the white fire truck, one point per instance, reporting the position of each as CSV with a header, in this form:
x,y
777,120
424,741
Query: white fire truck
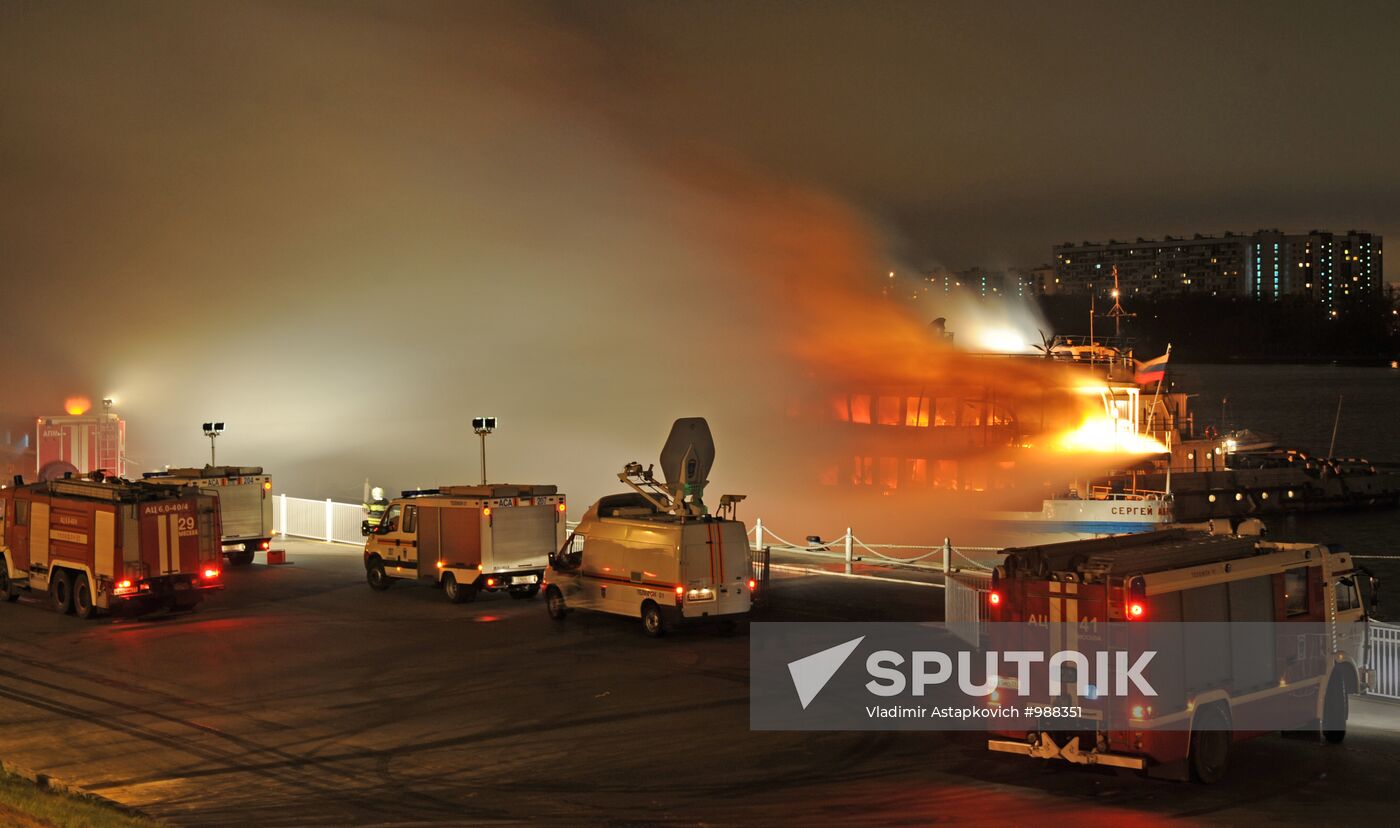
x,y
245,504
656,553
103,544
468,539
1100,589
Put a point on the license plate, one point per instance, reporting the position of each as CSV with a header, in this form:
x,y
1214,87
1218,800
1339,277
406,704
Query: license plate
x,y
524,579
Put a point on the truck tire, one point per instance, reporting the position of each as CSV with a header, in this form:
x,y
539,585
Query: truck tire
x,y
1210,746
1335,708
554,602
7,589
652,623
378,579
61,591
455,592
241,558
82,597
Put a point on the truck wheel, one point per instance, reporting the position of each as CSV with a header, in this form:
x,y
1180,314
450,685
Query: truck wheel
x,y
1210,746
1335,708
82,597
376,576
455,592
61,592
652,624
241,558
7,589
554,602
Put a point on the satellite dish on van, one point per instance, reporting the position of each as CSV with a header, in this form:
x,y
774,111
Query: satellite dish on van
x,y
687,456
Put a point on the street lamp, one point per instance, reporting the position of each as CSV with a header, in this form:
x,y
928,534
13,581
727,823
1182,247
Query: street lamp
x,y
483,426
212,430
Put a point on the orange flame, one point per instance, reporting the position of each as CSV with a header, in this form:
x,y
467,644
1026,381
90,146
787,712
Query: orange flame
x,y
77,406
1102,435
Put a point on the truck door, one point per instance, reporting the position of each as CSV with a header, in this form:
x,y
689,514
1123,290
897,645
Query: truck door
x,y
19,536
395,546
39,536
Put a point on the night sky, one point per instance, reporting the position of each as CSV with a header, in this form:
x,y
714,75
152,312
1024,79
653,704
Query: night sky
x,y
345,228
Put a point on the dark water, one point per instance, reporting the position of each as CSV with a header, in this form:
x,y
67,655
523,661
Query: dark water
x,y
1297,405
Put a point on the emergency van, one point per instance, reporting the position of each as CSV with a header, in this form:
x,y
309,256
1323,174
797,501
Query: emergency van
x,y
245,504
108,544
1308,661
656,553
468,539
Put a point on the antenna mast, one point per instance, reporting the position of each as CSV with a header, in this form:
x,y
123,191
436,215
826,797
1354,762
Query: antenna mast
x,y
1116,313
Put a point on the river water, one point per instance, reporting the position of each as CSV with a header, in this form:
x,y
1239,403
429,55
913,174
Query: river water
x,y
1297,405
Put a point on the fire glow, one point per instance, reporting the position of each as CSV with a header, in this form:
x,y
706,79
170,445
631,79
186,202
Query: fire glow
x,y
1099,434
77,406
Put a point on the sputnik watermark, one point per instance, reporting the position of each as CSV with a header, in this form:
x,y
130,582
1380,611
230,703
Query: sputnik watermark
x,y
1127,678
1041,677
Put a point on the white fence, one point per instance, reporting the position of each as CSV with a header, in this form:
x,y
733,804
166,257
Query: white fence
x,y
1383,656
850,550
318,519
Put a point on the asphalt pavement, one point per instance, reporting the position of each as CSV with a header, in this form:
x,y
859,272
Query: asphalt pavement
x,y
298,696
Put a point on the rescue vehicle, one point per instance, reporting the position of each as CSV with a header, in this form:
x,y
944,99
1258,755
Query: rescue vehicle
x,y
1101,588
245,504
656,553
108,544
468,539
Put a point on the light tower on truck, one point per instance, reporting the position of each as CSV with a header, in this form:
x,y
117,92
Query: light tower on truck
x,y
483,426
212,431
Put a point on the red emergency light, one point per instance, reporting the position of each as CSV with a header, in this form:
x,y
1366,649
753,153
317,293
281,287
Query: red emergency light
x,y
210,573
1136,611
994,598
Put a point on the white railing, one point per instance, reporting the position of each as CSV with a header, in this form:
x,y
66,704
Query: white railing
x,y
965,606
1383,657
323,520
851,550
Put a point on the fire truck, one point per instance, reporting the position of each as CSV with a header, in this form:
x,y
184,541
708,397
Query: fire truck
x,y
108,544
245,504
1297,605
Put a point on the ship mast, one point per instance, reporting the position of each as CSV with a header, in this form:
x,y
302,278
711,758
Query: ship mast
x,y
1116,313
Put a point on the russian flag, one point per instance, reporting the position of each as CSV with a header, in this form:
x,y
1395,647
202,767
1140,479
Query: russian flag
x,y
1153,370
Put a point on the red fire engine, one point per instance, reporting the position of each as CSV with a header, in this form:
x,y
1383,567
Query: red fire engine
x,y
1107,588
105,544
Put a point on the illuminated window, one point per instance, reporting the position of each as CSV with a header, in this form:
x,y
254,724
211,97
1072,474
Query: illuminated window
x,y
945,412
916,471
860,408
916,412
972,413
889,411
841,408
889,473
945,474
1295,591
862,472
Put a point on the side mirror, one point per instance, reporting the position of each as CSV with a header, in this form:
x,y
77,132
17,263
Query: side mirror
x,y
364,528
